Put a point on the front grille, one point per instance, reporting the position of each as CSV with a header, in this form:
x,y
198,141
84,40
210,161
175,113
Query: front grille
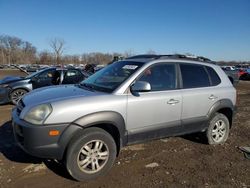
x,y
20,107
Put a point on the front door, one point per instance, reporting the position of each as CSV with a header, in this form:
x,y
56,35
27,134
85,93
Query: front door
x,y
156,113
46,78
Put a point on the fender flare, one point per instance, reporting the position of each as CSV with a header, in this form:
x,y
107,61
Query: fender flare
x,y
98,118
220,104
17,87
104,117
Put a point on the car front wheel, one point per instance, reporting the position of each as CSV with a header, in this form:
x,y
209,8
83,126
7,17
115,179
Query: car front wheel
x,y
90,154
16,95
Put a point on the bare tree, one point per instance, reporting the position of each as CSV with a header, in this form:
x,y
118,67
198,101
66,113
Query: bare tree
x,y
129,53
15,51
45,57
58,45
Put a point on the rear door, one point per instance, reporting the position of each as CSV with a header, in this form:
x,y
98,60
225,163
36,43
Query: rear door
x,y
156,113
198,95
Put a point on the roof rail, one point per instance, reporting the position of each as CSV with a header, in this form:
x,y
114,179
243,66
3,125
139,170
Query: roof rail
x,y
144,56
175,56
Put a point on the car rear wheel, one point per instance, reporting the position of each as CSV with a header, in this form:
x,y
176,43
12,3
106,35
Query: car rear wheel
x,y
16,95
90,154
218,130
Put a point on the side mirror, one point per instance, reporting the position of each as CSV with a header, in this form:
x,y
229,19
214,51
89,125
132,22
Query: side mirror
x,y
141,86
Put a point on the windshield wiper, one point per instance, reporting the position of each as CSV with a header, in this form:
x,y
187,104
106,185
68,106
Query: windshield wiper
x,y
87,86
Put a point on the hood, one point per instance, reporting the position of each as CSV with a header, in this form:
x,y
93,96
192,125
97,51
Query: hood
x,y
10,79
55,93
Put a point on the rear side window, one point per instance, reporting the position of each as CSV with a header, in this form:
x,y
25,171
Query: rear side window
x,y
215,79
71,73
72,77
194,76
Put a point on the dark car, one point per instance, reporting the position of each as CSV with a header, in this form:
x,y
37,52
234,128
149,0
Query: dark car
x,y
232,74
244,74
13,88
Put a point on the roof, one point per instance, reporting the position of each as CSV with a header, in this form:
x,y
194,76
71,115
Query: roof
x,y
149,57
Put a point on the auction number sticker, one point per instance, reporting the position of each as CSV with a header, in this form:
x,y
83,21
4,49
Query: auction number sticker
x,y
130,67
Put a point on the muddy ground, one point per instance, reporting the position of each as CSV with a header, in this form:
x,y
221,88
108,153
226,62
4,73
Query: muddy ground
x,y
177,162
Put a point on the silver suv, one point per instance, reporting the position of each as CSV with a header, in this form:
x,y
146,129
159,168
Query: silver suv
x,y
140,98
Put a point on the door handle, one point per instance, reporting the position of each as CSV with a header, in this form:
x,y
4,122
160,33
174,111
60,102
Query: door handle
x,y
212,97
173,101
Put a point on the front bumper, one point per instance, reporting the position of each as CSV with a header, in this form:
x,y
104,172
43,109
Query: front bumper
x,y
4,95
35,139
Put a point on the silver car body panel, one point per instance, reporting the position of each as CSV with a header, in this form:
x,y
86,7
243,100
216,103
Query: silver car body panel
x,y
71,102
153,108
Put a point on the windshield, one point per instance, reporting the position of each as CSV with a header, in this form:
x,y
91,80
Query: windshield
x,y
112,76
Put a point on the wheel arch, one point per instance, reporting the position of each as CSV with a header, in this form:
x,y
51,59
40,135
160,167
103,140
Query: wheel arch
x,y
224,106
111,122
16,88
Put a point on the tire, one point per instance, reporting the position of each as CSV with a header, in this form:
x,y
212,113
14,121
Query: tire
x,y
82,156
16,95
218,129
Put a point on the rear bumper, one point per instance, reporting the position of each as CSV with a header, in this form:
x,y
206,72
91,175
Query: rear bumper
x,y
35,139
4,95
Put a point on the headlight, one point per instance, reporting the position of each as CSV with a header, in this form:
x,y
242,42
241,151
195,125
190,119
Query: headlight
x,y
38,114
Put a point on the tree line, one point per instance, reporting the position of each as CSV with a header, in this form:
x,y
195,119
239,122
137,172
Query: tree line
x,y
14,50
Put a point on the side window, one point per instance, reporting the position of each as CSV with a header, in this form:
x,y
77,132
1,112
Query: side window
x,y
194,76
71,73
72,77
161,77
47,74
215,79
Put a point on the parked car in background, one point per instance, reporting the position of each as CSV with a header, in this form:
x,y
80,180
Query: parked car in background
x,y
232,68
99,67
232,73
12,89
245,75
90,68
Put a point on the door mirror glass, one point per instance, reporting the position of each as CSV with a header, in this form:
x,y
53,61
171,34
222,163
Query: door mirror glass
x,y
141,86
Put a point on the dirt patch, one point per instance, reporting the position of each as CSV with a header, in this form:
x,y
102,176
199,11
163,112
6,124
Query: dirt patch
x,y
172,162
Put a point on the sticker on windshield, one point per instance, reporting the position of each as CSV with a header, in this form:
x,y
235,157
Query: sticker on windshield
x,y
130,67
